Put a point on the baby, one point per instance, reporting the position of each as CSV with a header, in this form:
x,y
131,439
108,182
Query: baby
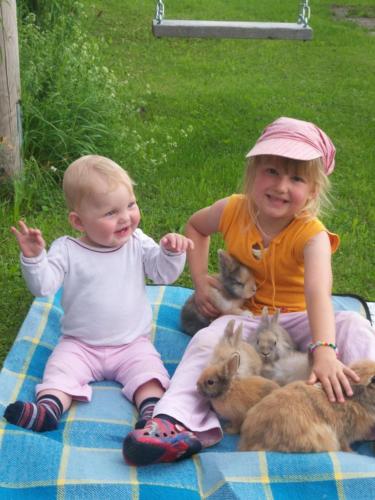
x,y
107,317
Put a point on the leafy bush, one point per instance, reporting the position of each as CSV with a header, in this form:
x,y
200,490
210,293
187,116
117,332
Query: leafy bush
x,y
47,14
73,104
70,102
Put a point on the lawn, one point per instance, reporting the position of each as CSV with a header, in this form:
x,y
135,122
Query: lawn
x,y
198,107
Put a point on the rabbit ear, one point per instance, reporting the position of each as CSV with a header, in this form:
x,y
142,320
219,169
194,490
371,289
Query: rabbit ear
x,y
229,330
275,317
264,317
237,336
223,257
233,364
226,261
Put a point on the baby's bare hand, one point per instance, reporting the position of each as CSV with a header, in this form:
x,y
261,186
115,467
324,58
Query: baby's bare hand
x,y
177,243
30,240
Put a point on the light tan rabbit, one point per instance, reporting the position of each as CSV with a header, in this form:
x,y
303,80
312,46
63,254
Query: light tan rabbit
x,y
280,359
232,342
300,418
230,396
237,285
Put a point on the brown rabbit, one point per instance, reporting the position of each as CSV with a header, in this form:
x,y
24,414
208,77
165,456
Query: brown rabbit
x,y
300,418
232,342
230,396
237,285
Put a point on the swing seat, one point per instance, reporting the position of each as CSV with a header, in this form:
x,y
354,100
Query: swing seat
x,y
82,458
231,29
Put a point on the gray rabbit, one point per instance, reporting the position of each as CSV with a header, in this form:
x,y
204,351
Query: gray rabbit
x,y
238,284
281,360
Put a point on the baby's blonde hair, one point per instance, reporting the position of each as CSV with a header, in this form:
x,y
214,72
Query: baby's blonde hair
x,y
311,170
80,178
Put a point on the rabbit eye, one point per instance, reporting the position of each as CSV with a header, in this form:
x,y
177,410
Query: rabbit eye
x,y
210,382
274,342
372,381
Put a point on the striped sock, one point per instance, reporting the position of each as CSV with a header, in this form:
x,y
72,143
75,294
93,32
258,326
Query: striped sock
x,y
41,416
146,409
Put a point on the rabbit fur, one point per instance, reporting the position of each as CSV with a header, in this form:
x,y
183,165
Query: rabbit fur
x,y
300,418
281,361
232,342
231,396
238,284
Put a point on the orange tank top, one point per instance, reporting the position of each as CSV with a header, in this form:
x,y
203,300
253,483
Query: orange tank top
x,y
279,268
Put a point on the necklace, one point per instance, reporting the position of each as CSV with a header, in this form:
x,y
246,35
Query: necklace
x,y
267,235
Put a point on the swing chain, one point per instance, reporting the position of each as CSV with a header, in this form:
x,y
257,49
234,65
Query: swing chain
x,y
304,13
159,11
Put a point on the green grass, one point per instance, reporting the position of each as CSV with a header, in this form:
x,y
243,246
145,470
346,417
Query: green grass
x,y
198,106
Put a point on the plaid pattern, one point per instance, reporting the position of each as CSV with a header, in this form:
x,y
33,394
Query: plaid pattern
x,y
83,459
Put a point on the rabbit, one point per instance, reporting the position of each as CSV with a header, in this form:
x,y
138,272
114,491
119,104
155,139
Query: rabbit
x,y
281,361
230,396
300,418
231,343
238,284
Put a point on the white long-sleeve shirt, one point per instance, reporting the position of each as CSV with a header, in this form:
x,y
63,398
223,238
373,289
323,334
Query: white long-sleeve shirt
x,y
104,296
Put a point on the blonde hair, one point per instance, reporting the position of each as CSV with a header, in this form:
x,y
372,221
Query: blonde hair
x,y
311,170
80,178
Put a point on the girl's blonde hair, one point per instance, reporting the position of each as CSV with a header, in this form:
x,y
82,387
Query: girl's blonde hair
x,y
311,170
80,178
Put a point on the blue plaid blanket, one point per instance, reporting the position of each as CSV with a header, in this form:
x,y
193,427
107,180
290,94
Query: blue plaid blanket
x,y
82,458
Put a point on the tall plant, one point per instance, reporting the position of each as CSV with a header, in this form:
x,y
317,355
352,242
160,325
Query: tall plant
x,y
70,101
47,14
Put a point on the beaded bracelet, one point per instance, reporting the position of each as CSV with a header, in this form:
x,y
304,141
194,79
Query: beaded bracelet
x,y
319,343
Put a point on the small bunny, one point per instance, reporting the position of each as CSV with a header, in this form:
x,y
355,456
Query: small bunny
x,y
230,396
281,361
231,343
238,284
300,418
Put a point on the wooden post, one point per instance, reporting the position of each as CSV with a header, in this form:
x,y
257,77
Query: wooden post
x,y
10,121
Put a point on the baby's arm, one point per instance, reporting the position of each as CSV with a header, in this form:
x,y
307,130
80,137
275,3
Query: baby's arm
x,y
326,368
43,274
199,228
30,240
163,263
176,243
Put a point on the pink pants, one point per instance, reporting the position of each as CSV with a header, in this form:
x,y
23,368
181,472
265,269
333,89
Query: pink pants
x,y
74,364
355,339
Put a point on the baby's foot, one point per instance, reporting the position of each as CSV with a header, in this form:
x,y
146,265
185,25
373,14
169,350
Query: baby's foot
x,y
41,416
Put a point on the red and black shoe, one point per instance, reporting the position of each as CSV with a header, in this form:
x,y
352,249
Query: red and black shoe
x,y
159,441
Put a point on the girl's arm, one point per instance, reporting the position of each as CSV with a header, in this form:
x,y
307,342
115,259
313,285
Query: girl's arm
x,y
199,228
318,288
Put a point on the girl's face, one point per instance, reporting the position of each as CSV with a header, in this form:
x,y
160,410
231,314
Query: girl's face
x,y
280,193
108,219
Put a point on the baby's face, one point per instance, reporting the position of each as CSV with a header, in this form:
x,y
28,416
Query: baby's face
x,y
109,218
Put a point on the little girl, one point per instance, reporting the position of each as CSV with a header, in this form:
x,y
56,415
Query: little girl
x,y
273,230
107,318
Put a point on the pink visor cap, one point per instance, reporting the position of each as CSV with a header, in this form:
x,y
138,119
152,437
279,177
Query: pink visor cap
x,y
295,139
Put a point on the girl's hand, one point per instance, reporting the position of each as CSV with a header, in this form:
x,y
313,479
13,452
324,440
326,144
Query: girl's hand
x,y
332,374
202,297
177,243
30,240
